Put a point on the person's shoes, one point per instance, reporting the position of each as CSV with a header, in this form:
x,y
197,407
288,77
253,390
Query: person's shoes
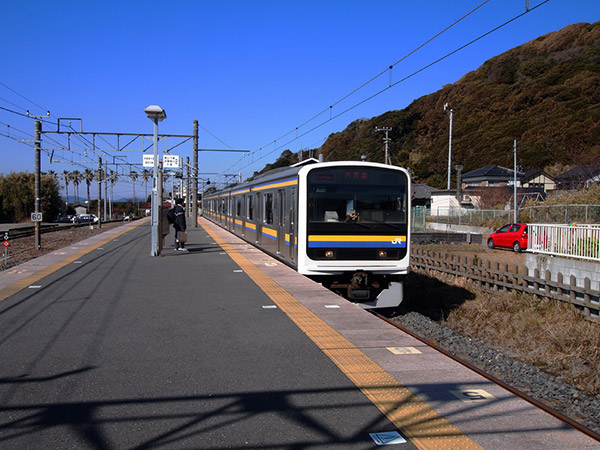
x,y
183,249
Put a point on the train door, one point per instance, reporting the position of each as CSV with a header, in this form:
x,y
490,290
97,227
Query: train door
x,y
292,224
281,228
259,215
230,213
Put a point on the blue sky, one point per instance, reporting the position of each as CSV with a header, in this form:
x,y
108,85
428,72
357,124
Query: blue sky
x,y
249,72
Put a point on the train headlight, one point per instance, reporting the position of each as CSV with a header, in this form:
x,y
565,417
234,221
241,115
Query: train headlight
x,y
329,254
382,253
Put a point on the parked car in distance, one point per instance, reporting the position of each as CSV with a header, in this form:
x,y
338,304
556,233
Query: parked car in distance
x,y
511,235
83,218
63,219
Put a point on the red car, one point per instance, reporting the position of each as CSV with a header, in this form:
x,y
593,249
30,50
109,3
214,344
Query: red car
x,y
511,235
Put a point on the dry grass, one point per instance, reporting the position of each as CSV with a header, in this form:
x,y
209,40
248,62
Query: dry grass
x,y
551,335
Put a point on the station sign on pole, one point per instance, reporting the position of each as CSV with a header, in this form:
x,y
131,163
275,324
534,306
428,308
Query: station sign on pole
x,y
148,161
171,161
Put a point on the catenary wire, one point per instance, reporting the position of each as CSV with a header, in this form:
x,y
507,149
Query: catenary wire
x,y
391,85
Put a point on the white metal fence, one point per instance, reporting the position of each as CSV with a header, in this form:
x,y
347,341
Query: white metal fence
x,y
575,241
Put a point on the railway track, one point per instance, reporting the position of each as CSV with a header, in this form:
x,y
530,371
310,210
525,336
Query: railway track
x,y
28,231
588,415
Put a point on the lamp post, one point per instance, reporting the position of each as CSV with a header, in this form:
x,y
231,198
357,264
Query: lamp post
x,y
450,112
156,114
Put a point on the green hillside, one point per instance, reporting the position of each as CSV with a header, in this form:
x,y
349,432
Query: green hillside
x,y
545,94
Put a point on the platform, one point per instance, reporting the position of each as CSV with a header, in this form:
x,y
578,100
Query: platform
x,y
104,346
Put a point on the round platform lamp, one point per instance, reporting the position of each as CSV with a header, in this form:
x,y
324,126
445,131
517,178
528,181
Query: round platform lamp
x,y
156,114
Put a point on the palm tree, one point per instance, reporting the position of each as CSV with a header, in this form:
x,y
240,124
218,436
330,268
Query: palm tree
x,y
76,179
146,175
66,177
88,176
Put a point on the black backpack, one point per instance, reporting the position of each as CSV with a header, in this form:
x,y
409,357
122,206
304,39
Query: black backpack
x,y
171,215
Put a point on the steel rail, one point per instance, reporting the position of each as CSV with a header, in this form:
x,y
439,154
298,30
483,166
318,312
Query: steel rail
x,y
574,424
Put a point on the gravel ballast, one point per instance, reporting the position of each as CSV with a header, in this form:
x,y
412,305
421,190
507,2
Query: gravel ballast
x,y
548,389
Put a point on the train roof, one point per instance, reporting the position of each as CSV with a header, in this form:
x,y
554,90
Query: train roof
x,y
273,174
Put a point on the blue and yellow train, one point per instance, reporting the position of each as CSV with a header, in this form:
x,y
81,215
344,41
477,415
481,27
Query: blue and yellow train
x,y
343,224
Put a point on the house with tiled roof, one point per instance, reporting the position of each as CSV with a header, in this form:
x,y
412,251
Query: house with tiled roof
x,y
489,176
538,179
582,176
497,176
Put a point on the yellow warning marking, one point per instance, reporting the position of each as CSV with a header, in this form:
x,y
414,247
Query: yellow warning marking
x,y
24,283
424,426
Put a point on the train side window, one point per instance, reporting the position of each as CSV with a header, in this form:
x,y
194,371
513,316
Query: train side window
x,y
268,208
238,207
249,208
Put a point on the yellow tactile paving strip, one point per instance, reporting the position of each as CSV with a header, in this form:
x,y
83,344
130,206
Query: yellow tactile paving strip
x,y
415,419
36,276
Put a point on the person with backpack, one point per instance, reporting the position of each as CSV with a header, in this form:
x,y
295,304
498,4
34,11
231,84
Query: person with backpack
x,y
179,225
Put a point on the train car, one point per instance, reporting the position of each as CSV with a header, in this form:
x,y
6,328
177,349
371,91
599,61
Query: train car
x,y
343,224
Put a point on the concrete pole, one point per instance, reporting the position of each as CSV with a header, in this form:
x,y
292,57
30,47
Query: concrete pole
x,y
188,194
195,176
450,149
38,144
105,175
99,191
159,195
515,179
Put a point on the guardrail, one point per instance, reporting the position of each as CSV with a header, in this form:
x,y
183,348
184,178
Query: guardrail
x,y
574,241
492,278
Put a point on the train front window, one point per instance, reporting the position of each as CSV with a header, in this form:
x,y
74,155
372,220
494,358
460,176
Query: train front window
x,y
366,197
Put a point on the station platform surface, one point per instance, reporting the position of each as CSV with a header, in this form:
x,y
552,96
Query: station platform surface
x,y
103,346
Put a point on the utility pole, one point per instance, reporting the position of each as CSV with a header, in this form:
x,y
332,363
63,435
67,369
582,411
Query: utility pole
x,y
37,177
195,175
99,191
188,194
105,187
386,139
38,141
450,113
515,179
158,198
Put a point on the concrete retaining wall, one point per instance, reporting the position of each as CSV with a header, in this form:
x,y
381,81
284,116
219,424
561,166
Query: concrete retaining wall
x,y
444,227
568,267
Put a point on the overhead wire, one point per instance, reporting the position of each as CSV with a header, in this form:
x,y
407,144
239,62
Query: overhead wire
x,y
329,108
22,96
391,85
384,71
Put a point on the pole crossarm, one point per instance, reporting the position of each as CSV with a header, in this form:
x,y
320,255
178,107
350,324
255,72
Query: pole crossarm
x,y
88,141
111,142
